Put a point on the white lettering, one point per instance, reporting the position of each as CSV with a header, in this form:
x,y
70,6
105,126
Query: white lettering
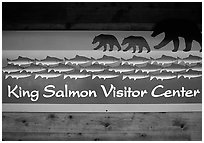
x,y
49,91
105,92
172,93
12,91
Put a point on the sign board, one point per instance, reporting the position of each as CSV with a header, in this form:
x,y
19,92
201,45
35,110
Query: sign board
x,y
99,71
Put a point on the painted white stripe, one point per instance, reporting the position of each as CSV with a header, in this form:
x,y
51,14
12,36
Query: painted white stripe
x,y
101,107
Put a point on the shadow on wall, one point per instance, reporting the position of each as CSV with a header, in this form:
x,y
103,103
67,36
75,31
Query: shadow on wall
x,y
105,40
175,28
133,42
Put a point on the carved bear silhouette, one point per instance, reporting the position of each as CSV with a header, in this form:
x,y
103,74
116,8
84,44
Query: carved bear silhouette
x,y
134,41
105,40
173,29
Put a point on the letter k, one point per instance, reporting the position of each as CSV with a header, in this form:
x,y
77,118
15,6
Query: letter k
x,y
12,91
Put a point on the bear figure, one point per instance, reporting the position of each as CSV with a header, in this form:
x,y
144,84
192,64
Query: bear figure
x,y
105,40
134,41
174,28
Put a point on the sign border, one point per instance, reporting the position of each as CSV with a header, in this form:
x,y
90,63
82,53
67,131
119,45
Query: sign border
x,y
101,107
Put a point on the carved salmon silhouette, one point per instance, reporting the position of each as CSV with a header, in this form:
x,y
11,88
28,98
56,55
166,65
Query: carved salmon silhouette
x,y
190,74
135,60
11,68
164,75
150,68
136,76
49,61
77,60
105,75
20,61
164,60
61,68
197,67
104,40
122,68
77,75
34,68
174,68
17,75
190,60
47,75
106,60
93,68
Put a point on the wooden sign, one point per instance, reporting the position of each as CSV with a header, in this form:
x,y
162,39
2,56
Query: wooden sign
x,y
100,71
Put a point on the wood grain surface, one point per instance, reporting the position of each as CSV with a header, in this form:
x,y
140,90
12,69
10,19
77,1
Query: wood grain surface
x,y
102,126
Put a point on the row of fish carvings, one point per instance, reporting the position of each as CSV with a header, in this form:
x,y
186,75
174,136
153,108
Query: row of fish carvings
x,y
105,60
164,75
17,69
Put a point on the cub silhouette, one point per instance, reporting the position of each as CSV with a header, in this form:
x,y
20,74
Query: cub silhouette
x,y
174,28
134,41
105,40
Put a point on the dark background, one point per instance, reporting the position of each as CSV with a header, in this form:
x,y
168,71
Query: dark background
x,y
95,15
